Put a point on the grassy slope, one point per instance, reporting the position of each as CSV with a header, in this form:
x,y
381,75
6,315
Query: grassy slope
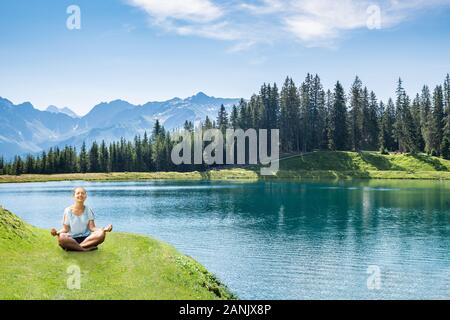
x,y
364,165
126,266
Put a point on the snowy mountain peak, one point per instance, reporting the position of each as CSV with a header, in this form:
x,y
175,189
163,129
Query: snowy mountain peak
x,y
65,110
200,98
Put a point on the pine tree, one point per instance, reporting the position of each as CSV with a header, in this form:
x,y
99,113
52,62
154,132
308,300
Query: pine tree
x,y
43,166
50,161
356,115
322,138
146,153
222,119
157,129
271,106
328,108
417,123
138,154
253,113
244,114
74,160
94,163
113,152
234,118
129,156
426,118
104,158
306,114
29,166
445,148
84,162
167,153
400,124
409,132
387,132
158,138
437,121
58,165
365,139
18,166
372,122
188,126
445,145
447,92
289,117
208,124
317,100
338,132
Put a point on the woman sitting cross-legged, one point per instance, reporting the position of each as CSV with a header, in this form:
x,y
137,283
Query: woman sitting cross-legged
x,y
79,232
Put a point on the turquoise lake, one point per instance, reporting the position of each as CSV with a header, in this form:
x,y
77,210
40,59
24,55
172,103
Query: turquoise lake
x,y
279,240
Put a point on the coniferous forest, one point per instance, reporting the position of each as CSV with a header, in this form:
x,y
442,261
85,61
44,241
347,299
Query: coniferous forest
x,y
308,116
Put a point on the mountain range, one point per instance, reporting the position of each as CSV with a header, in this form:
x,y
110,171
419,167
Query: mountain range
x,y
25,129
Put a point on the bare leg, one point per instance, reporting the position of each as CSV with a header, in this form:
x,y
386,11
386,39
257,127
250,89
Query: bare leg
x,y
68,243
96,238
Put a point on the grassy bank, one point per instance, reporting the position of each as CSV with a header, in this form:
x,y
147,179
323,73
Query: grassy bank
x,y
315,165
126,266
364,165
226,174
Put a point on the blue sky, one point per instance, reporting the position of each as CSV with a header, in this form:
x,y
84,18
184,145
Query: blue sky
x,y
148,50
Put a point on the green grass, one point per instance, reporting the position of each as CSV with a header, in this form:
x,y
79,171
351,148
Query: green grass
x,y
113,176
363,165
126,266
231,174
226,174
315,165
365,161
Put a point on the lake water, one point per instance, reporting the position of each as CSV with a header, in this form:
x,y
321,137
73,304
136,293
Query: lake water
x,y
279,240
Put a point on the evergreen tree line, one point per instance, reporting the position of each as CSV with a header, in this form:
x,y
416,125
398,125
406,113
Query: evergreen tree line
x,y
309,118
140,155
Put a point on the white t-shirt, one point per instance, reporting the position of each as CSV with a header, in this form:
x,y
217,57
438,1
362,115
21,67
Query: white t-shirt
x,y
78,224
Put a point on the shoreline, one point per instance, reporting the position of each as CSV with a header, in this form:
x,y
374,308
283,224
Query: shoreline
x,y
230,175
318,165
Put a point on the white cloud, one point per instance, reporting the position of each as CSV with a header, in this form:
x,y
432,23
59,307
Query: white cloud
x,y
220,31
192,10
241,46
267,7
310,30
319,22
249,23
322,22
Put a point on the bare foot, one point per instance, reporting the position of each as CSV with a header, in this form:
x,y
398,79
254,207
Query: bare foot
x,y
108,228
53,232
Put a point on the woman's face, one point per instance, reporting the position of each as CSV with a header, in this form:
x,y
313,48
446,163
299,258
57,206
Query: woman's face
x,y
80,195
